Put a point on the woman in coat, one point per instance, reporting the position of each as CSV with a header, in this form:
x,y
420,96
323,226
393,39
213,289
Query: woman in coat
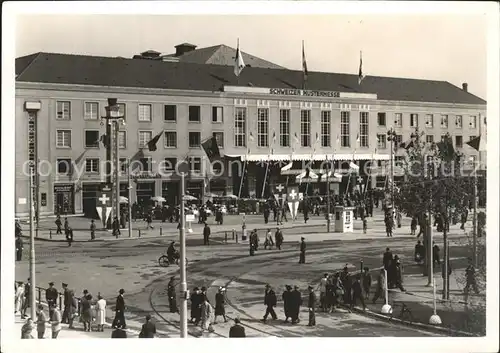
x,y
101,313
207,313
219,305
87,312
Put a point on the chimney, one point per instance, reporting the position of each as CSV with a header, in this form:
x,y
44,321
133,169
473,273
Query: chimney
x,y
465,87
184,48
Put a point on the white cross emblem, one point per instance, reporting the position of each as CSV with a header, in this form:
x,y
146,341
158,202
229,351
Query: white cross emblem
x,y
280,187
293,194
360,180
104,199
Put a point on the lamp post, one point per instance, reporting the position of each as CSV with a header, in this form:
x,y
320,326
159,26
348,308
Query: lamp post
x,y
182,241
391,137
327,195
129,187
33,190
112,119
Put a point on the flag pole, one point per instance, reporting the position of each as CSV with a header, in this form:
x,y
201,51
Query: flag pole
x,y
243,175
238,53
327,196
267,167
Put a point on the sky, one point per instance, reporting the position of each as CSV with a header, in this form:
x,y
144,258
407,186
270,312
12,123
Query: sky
x,y
451,48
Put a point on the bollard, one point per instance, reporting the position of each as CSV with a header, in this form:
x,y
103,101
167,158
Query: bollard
x,y
139,233
50,233
161,231
225,237
236,238
361,266
233,234
60,302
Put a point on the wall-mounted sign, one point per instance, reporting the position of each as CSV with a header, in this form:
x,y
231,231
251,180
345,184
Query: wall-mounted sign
x,y
146,175
303,93
64,187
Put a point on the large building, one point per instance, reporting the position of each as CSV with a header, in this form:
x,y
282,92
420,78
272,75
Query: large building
x,y
60,99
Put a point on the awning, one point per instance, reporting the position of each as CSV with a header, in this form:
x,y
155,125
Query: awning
x,y
316,157
316,171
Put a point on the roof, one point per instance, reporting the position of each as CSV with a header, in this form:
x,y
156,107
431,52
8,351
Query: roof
x,y
222,55
107,71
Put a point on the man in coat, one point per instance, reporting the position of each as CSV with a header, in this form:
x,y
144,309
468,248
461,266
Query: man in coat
x,y
19,248
69,235
302,257
387,258
237,331
148,328
51,295
197,299
270,302
120,311
172,297
295,303
206,235
311,304
286,296
357,293
278,238
380,291
366,281
67,303
58,225
116,227
220,309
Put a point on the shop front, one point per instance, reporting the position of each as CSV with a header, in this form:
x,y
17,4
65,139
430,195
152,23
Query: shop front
x,y
170,191
64,199
145,190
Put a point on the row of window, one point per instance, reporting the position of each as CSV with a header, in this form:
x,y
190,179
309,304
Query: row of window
x,y
144,112
92,139
382,140
91,112
325,128
64,165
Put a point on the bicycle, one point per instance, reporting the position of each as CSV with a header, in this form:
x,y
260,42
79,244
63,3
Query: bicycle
x,y
165,261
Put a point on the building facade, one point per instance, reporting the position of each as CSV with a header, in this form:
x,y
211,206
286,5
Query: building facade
x,y
256,125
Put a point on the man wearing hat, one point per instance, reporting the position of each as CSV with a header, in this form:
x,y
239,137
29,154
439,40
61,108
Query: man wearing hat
x,y
237,331
172,296
220,310
311,304
295,303
270,302
302,258
148,328
120,311
67,303
197,298
51,295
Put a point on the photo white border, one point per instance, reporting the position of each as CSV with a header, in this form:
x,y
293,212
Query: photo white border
x,y
11,9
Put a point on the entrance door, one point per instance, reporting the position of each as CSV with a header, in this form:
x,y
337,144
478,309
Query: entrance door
x,y
170,191
89,195
145,191
64,202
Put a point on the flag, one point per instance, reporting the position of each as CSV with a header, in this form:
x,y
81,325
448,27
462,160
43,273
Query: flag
x,y
353,167
446,148
211,149
80,157
239,65
287,167
105,140
137,156
250,136
357,139
360,73
317,137
152,144
304,66
274,137
296,138
407,145
475,143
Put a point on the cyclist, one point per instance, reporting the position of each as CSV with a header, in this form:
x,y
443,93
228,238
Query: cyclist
x,y
171,252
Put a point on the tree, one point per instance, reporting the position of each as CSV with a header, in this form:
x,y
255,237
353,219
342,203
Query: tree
x,y
434,182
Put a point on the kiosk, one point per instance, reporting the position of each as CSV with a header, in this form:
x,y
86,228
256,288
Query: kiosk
x,y
344,219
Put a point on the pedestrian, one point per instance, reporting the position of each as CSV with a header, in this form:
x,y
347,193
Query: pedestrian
x,y
330,295
419,253
148,329
51,295
55,321
27,298
278,237
413,225
66,224
357,293
80,300
286,296
380,291
279,216
27,329
367,282
296,302
69,235
237,331
302,257
116,227
19,248
435,254
172,296
398,218
322,292
346,280
463,219
86,312
101,313
397,275
120,311
283,214
422,224
67,303
58,224
270,302
266,214
149,220
19,299
92,230
196,301
387,258
207,313
365,225
269,240
220,310
470,279
311,304
119,332
72,308
206,235
41,321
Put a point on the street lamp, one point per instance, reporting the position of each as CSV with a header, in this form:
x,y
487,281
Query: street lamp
x,y
112,120
392,138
